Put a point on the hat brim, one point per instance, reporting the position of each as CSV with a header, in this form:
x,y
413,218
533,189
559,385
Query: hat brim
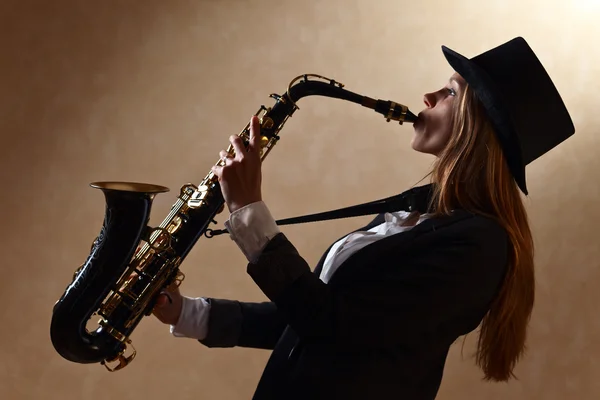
x,y
491,99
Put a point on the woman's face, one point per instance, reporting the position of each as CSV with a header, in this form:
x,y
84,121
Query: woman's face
x,y
434,125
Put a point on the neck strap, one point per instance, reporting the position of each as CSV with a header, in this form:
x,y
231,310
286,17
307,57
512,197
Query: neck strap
x,y
415,199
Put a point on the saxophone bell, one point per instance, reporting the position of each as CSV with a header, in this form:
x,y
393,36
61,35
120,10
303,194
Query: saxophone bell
x,y
126,216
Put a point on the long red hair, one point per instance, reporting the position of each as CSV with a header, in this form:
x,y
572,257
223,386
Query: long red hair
x,y
472,174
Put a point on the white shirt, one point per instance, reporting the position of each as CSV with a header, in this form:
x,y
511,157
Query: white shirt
x,y
252,227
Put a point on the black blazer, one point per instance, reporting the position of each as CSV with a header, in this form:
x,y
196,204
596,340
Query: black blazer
x,y
382,327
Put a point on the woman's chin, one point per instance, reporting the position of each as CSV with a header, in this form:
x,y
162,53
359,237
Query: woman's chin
x,y
415,143
420,148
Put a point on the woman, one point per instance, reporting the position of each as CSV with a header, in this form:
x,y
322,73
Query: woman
x,y
377,316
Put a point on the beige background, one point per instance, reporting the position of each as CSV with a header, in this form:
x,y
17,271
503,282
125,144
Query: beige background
x,y
150,91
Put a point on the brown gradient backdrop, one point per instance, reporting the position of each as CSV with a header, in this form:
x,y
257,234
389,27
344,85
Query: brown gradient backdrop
x,y
150,91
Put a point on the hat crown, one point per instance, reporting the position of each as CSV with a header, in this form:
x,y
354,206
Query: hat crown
x,y
524,106
530,96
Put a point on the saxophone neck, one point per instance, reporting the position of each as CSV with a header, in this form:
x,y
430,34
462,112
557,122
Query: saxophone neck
x,y
303,86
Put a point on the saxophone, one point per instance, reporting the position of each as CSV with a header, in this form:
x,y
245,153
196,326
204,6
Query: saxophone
x,y
130,263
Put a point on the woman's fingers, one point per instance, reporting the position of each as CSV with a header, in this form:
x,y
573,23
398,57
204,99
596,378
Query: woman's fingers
x,y
255,137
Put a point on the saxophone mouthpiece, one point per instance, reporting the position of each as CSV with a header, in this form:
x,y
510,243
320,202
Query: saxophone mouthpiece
x,y
390,110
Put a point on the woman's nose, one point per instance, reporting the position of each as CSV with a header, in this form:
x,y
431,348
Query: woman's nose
x,y
429,100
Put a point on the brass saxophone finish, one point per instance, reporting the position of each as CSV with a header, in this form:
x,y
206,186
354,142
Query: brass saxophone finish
x,y
130,263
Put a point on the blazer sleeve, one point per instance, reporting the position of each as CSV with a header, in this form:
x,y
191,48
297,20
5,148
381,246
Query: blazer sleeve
x,y
443,274
256,325
233,323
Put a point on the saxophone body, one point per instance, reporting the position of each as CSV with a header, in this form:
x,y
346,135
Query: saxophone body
x,y
130,263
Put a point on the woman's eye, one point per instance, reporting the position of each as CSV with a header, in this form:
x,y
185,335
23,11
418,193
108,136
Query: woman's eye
x,y
451,91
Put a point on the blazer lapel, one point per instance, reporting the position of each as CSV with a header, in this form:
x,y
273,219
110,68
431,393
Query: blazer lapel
x,y
413,199
363,257
376,221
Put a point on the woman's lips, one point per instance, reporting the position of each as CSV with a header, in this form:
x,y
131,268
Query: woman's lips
x,y
418,120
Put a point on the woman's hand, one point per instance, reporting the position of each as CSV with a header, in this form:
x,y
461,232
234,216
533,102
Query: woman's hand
x,y
168,306
240,177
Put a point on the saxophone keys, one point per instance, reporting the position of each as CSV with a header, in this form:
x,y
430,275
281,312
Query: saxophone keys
x,y
197,198
160,240
179,278
267,123
264,141
186,189
197,195
194,203
122,360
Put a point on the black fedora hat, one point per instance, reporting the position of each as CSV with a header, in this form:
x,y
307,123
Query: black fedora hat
x,y
524,106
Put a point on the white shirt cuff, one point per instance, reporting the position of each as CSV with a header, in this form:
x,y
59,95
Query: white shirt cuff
x,y
193,320
252,227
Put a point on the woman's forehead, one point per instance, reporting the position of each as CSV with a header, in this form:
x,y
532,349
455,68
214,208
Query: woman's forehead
x,y
458,79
